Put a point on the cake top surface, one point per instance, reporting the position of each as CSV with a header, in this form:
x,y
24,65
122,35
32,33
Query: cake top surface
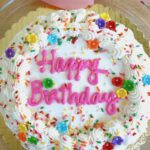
x,y
75,79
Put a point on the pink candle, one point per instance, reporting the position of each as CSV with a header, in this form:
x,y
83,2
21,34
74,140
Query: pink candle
x,y
70,4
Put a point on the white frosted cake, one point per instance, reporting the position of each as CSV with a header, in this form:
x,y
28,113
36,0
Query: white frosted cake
x,y
75,80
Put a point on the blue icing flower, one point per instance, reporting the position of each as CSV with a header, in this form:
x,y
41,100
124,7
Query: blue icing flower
x,y
101,23
62,127
52,38
146,80
117,140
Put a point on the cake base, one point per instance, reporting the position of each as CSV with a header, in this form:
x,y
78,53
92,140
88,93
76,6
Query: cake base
x,y
4,131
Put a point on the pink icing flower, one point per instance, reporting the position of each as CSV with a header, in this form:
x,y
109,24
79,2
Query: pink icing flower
x,y
70,4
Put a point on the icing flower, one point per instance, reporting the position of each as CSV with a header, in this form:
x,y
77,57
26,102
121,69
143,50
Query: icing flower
x,y
108,146
52,38
62,127
93,44
121,93
146,80
22,127
31,38
10,53
117,81
101,23
22,136
117,140
129,85
99,125
111,25
105,16
33,140
48,83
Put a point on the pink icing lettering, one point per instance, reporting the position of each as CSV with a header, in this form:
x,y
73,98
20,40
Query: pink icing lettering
x,y
84,96
49,96
72,96
72,66
75,98
103,71
62,89
82,64
103,97
52,61
93,76
43,62
95,98
70,100
111,103
36,93
60,64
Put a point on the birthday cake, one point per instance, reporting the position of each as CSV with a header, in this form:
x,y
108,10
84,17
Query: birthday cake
x,y
75,80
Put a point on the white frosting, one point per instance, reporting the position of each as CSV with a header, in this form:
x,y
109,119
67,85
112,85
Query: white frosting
x,y
131,108
115,128
135,96
96,135
66,142
88,35
53,133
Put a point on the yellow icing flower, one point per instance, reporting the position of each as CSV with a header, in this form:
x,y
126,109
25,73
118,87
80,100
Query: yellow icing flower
x,y
31,38
105,16
22,127
121,93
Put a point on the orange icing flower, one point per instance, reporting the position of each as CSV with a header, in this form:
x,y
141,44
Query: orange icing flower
x,y
99,125
93,44
22,136
121,93
31,38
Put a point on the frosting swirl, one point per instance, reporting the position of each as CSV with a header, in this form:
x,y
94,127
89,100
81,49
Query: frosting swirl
x,y
66,142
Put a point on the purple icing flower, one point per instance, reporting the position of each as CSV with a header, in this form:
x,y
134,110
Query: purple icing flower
x,y
10,53
117,140
101,23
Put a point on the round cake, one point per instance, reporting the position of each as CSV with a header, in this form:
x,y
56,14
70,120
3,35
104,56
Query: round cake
x,y
75,80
